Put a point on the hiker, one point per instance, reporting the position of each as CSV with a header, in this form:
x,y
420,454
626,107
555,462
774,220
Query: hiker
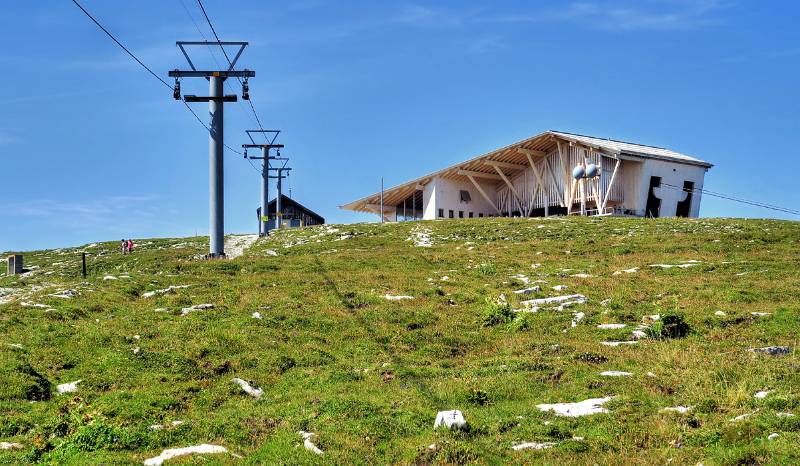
x,y
124,246
130,246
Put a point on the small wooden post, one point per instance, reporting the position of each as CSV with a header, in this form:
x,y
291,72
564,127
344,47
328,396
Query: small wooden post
x,y
83,260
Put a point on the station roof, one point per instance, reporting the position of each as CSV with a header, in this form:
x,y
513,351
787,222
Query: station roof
x,y
515,155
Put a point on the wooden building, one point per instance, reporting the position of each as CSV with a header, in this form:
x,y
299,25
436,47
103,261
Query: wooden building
x,y
534,177
294,214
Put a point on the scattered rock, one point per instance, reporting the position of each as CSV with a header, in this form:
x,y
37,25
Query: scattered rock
x,y
554,300
533,446
308,444
742,416
615,374
397,297
66,294
762,394
175,452
761,314
620,272
533,289
109,277
68,387
720,313
676,409
611,326
580,408
257,315
773,436
682,266
196,307
581,275
618,343
166,290
270,252
560,287
785,415
453,420
10,446
771,350
255,392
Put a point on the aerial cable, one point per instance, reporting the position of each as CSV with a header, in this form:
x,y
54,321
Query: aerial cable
x,y
146,68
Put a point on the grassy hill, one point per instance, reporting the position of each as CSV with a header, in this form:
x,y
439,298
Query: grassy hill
x,y
366,373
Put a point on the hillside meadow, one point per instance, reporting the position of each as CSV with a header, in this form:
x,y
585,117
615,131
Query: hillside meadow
x,y
683,332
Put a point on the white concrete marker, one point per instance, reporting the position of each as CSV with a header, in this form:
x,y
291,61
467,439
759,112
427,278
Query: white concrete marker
x,y
581,275
308,444
761,314
580,408
533,446
453,420
616,374
255,392
175,452
68,387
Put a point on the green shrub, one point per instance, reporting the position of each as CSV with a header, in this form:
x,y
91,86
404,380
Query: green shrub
x,y
497,313
671,325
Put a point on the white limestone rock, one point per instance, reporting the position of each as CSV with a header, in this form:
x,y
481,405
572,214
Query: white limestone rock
x,y
453,420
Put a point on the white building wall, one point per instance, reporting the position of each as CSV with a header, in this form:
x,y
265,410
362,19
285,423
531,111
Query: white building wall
x,y
448,197
429,200
671,173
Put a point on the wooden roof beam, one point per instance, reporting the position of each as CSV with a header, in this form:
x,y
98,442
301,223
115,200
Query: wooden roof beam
x,y
490,176
510,166
537,153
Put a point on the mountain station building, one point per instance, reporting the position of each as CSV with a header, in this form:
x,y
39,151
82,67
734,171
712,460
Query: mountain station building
x,y
548,174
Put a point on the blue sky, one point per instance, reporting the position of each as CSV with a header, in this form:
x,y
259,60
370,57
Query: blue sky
x,y
93,148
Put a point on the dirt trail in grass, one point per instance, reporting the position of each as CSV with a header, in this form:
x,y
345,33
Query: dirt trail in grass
x,y
235,245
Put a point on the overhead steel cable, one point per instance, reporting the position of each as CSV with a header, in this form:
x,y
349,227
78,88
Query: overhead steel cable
x,y
734,199
140,62
214,31
214,57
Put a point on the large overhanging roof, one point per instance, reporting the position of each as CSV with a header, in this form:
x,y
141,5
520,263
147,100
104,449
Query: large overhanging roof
x,y
514,158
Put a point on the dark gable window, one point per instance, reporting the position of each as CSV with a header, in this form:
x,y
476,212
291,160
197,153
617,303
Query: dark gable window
x,y
465,197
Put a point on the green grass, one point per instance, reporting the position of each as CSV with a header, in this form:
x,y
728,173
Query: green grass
x,y
368,375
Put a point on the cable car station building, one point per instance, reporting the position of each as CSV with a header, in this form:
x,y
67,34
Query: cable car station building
x,y
553,173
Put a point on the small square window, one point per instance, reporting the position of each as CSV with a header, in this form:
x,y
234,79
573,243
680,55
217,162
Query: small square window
x,y
441,213
460,214
480,215
471,214
451,214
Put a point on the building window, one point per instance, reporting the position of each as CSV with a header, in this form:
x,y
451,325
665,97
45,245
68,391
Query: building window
x,y
465,197
451,214
460,214
441,213
480,214
471,215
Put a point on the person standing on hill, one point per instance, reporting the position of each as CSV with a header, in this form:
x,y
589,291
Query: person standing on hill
x,y
124,246
130,246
